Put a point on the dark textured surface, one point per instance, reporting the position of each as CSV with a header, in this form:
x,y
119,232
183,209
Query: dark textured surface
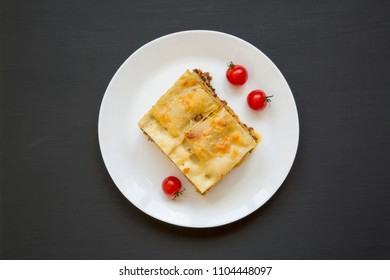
x,y
57,199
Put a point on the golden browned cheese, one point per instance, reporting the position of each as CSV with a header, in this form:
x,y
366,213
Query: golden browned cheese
x,y
197,131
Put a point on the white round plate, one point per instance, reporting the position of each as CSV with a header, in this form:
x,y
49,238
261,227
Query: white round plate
x,y
138,167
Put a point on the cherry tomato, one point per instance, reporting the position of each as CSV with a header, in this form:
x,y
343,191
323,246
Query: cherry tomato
x,y
258,100
171,186
236,74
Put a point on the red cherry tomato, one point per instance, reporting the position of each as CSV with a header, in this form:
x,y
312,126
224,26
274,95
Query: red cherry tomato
x,y
258,100
171,186
236,74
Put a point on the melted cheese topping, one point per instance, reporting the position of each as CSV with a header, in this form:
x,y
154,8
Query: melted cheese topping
x,y
195,130
186,99
219,143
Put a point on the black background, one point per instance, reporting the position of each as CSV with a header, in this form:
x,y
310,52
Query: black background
x,y
57,198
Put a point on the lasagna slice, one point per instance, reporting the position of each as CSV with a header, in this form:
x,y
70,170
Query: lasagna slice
x,y
198,131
